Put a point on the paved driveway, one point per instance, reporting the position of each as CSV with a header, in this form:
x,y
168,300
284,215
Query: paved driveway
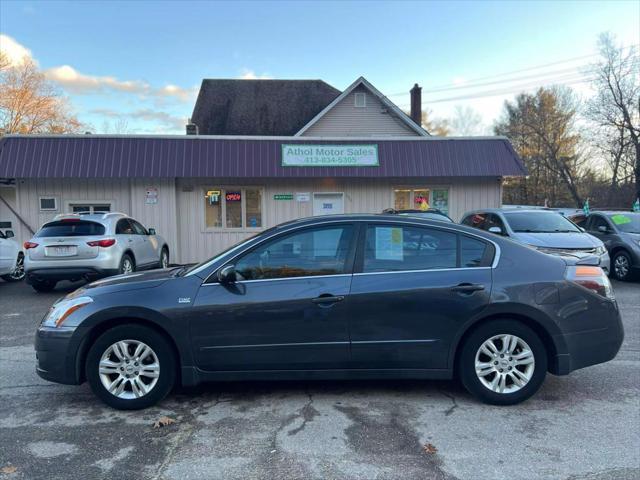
x,y
584,426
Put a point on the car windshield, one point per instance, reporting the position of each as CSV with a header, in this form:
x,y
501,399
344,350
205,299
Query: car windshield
x,y
71,228
626,222
539,222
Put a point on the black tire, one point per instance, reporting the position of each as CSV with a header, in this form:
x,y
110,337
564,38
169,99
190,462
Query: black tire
x,y
620,273
44,286
160,347
164,252
123,262
18,275
467,358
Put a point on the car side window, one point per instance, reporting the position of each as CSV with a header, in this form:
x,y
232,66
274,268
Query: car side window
x,y
494,220
596,222
403,247
477,220
311,252
474,252
123,227
138,228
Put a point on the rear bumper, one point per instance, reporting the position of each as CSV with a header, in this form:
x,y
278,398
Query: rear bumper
x,y
589,347
56,355
68,273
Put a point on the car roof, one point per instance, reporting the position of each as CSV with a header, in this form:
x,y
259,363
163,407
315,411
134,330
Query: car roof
x,y
511,210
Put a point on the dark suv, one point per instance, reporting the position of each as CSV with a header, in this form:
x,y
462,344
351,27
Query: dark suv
x,y
620,233
340,297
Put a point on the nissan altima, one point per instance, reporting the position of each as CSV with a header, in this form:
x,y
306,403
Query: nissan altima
x,y
339,297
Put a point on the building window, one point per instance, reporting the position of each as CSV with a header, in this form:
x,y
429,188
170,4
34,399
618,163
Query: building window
x,y
233,208
360,100
421,199
48,204
90,207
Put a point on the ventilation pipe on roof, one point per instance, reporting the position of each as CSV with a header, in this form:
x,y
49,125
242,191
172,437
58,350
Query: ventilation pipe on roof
x,y
192,128
416,104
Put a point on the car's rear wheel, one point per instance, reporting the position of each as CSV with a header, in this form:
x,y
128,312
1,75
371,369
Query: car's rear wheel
x,y
130,367
18,272
43,286
127,265
621,266
164,258
502,362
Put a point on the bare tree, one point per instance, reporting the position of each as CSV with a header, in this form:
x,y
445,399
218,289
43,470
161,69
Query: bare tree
x,y
541,127
434,125
616,106
29,103
466,122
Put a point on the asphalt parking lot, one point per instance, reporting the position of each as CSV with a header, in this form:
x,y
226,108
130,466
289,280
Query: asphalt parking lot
x,y
584,426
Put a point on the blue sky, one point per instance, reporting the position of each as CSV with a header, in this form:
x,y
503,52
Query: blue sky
x,y
143,61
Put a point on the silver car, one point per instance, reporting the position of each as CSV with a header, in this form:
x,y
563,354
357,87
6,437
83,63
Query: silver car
x,y
90,246
545,230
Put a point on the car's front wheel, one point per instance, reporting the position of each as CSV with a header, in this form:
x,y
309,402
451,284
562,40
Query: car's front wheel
x,y
164,258
18,272
127,265
502,362
621,267
130,367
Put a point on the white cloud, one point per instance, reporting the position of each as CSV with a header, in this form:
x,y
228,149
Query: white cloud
x,y
16,53
248,74
457,81
75,82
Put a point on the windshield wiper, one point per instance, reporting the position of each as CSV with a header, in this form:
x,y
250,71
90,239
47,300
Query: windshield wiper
x,y
528,230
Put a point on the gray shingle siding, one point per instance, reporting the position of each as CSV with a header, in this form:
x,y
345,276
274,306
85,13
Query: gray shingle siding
x,y
259,107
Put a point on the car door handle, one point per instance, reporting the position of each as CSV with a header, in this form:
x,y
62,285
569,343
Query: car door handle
x,y
327,299
467,288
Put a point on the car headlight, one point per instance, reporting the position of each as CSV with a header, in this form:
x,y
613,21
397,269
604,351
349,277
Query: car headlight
x,y
601,250
60,311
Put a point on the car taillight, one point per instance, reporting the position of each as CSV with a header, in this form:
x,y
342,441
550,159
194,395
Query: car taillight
x,y
107,242
592,278
28,245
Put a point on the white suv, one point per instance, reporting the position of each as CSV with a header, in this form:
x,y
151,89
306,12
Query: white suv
x,y
89,246
11,258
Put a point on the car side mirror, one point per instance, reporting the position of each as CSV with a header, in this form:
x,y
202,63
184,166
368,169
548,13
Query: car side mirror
x,y
227,274
496,230
603,229
9,234
152,231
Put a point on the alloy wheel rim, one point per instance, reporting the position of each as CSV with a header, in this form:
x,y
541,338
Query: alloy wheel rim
x,y
504,363
129,369
18,271
621,266
165,260
127,266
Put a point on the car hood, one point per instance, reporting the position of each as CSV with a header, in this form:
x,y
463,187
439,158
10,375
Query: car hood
x,y
558,240
133,281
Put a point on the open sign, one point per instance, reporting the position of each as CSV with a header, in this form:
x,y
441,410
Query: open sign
x,y
233,197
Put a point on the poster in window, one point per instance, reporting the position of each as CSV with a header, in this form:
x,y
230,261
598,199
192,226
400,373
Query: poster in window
x,y
441,200
389,243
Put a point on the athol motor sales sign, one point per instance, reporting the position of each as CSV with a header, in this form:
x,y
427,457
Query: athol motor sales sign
x,y
330,155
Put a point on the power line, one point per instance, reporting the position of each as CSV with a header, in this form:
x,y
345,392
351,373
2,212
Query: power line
x,y
474,82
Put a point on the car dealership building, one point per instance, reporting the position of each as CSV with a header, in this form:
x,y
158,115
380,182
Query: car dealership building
x,y
257,153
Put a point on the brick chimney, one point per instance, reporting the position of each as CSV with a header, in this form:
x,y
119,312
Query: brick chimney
x,y
416,104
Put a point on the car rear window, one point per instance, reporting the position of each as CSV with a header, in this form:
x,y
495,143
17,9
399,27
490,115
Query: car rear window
x,y
67,228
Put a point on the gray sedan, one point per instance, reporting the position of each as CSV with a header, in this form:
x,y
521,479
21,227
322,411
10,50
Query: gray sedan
x,y
90,246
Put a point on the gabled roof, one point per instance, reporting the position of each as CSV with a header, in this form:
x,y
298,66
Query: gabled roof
x,y
136,156
259,107
403,117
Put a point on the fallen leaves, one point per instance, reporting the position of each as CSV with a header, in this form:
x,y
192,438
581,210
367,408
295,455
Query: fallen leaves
x,y
163,422
430,449
8,469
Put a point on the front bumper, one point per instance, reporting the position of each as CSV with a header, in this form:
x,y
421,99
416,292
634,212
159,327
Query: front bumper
x,y
57,358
